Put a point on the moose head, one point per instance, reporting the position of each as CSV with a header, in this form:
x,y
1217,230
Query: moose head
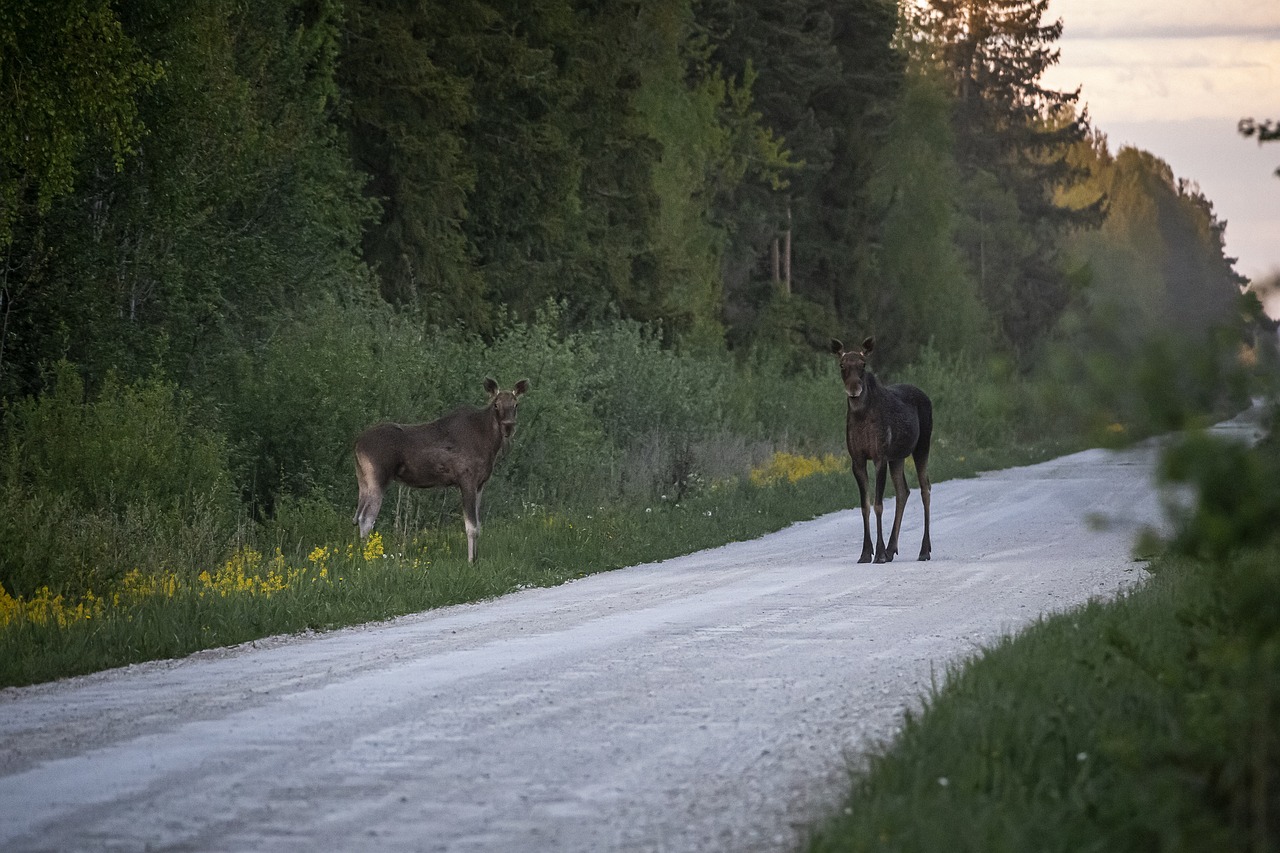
x,y
853,366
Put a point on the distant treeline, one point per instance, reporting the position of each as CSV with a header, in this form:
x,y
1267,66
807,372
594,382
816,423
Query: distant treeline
x,y
178,179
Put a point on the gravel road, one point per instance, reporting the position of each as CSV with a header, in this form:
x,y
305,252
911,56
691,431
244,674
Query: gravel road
x,y
709,702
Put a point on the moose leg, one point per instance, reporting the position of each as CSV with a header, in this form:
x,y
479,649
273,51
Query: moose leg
x,y
900,490
860,474
882,471
471,518
372,484
922,475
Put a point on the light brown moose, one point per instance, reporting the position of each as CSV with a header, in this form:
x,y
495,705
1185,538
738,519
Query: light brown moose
x,y
884,424
458,449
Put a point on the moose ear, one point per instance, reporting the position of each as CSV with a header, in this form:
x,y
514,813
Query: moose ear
x,y
836,347
490,386
522,387
868,345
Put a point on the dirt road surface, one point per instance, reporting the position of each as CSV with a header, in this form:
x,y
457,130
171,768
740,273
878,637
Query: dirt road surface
x,y
710,702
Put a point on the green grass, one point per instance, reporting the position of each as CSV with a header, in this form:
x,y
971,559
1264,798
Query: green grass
x,y
537,549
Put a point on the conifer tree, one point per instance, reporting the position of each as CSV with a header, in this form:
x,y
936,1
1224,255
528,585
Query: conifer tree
x,y
826,78
1012,135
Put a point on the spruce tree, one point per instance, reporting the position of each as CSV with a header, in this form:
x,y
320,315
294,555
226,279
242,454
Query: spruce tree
x,y
1012,135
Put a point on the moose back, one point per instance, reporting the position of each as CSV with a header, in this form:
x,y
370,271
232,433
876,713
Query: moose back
x,y
458,449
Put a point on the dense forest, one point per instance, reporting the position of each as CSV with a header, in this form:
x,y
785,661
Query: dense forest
x,y
177,180
269,223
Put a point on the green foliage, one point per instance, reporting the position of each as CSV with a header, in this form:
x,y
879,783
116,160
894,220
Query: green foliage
x,y
534,151
925,296
825,79
240,206
69,81
94,489
1117,386
1237,499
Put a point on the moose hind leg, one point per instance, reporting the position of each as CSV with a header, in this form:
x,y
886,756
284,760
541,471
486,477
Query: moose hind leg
x,y
371,485
922,474
899,474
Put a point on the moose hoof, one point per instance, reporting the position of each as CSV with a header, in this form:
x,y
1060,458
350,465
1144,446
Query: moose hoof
x,y
924,557
865,558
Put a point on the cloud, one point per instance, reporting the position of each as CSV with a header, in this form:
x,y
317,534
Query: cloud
x,y
1168,31
1140,19
1151,78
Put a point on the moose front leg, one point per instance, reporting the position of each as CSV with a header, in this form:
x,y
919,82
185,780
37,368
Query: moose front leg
x,y
471,519
882,471
860,475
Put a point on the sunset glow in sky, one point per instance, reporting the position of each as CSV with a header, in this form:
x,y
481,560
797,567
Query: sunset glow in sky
x,y
1174,77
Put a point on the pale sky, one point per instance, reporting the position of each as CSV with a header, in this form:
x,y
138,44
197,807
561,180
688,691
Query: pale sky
x,y
1174,77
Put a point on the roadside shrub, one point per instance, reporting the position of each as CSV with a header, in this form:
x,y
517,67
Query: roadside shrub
x,y
561,453
1213,779
797,402
93,489
1237,494
294,407
1116,386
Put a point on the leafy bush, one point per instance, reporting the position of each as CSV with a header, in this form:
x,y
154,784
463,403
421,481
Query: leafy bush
x,y
90,490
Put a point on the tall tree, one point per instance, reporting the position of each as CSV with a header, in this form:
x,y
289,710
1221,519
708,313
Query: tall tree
x,y
826,79
1012,137
70,79
404,71
553,149
929,298
1158,262
238,204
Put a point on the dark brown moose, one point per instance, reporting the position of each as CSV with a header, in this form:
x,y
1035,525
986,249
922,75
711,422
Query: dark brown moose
x,y
884,424
458,449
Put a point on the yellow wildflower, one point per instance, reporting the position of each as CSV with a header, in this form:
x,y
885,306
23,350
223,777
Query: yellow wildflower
x,y
373,546
793,467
